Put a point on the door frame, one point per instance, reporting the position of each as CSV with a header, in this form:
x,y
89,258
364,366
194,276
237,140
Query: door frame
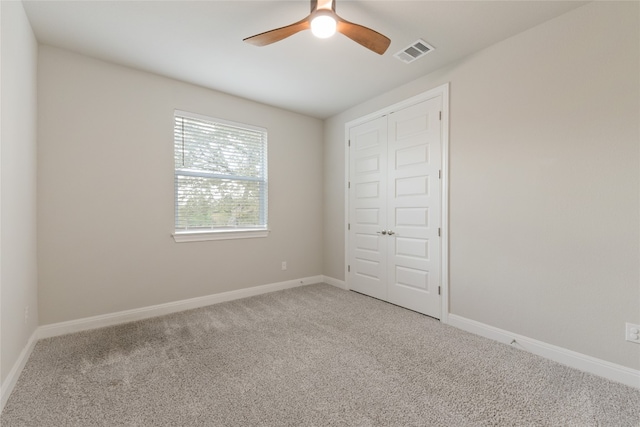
x,y
442,90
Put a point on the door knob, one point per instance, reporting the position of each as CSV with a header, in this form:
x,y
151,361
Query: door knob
x,y
383,232
391,233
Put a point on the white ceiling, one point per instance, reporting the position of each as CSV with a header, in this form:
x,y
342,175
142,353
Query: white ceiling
x,y
201,42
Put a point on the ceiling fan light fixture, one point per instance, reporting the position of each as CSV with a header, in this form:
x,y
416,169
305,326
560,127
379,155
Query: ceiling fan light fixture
x,y
323,26
324,22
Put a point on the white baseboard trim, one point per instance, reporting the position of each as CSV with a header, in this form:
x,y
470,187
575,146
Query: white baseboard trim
x,y
582,362
101,321
12,378
335,282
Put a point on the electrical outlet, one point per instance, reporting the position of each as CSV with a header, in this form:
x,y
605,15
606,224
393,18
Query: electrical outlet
x,y
632,333
284,265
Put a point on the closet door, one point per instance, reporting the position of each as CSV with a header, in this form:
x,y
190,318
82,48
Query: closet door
x,y
368,208
414,207
395,207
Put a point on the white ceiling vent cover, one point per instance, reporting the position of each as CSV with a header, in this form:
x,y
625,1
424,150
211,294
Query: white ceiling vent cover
x,y
414,51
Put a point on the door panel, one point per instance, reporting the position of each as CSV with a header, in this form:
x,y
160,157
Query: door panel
x,y
414,207
367,208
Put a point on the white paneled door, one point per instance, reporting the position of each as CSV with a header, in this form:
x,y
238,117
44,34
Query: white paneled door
x,y
368,207
395,197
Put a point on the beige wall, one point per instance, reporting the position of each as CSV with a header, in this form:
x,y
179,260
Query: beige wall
x,y
18,265
544,181
105,194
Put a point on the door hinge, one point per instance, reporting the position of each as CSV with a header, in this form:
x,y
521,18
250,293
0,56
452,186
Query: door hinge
x,y
348,268
440,118
348,226
349,143
440,174
438,290
439,232
349,184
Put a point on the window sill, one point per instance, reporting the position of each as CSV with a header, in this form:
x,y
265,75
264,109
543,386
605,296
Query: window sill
x,y
201,236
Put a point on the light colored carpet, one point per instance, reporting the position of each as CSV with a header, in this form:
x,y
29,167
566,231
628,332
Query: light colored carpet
x,y
312,356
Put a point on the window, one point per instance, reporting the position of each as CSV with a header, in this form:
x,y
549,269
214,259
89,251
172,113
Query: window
x,y
220,179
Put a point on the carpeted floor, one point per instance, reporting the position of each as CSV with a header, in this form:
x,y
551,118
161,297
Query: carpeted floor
x,y
309,356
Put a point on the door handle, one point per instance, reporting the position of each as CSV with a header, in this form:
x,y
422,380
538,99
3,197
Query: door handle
x,y
383,232
391,233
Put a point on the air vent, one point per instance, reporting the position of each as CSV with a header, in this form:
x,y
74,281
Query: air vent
x,y
414,51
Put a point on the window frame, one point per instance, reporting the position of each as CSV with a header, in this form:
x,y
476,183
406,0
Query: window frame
x,y
199,235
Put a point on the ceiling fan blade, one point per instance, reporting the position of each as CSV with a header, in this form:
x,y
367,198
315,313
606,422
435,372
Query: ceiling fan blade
x,y
367,37
278,34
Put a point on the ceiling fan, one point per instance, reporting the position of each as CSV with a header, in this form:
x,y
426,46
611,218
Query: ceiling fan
x,y
324,22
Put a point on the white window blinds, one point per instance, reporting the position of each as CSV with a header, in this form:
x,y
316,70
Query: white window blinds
x,y
220,174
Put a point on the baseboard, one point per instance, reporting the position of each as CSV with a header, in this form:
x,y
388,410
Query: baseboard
x,y
87,323
12,378
582,362
335,282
